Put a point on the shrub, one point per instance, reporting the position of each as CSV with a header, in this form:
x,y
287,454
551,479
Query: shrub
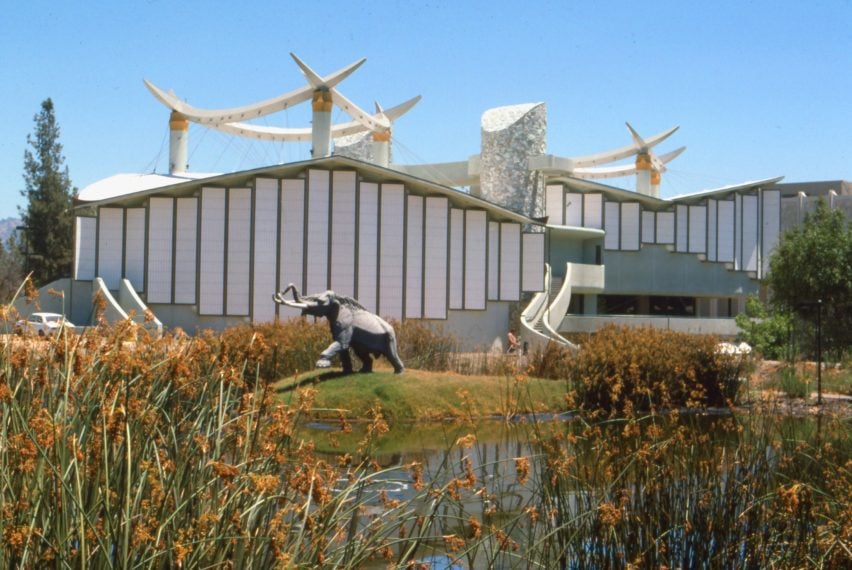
x,y
624,368
554,361
284,348
423,346
274,350
792,383
766,333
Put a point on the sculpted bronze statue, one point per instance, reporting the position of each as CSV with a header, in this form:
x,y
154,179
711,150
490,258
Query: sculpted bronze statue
x,y
352,326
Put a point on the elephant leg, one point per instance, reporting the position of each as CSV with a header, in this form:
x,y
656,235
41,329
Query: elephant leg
x,y
366,359
392,355
346,361
333,350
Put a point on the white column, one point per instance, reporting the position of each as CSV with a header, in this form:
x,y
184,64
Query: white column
x,y
643,174
321,128
381,148
178,142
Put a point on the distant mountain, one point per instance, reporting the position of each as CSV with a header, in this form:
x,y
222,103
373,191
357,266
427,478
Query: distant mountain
x,y
7,228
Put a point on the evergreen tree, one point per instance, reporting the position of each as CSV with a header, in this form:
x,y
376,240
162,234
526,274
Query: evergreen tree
x,y
48,216
11,270
811,271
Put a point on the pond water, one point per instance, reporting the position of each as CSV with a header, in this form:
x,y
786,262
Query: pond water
x,y
501,472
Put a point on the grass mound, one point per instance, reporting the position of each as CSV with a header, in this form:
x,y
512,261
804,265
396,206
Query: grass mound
x,y
423,395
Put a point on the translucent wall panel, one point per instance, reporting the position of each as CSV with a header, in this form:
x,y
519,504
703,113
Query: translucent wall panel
x,y
265,266
533,260
649,226
435,262
292,233
134,248
316,279
211,285
414,258
84,247
712,237
771,226
738,232
368,245
725,231
593,211
682,228
456,258
554,204
493,261
697,229
186,247
239,251
750,229
510,261
391,252
630,226
475,259
574,210
343,232
160,245
612,223
110,245
665,227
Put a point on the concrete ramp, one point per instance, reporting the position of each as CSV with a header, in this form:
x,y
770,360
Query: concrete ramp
x,y
137,309
76,300
536,318
127,306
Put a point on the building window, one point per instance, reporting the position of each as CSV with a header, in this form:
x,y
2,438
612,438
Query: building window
x,y
618,305
726,307
673,306
575,307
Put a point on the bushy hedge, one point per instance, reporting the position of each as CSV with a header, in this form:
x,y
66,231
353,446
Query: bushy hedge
x,y
424,347
624,368
278,349
283,348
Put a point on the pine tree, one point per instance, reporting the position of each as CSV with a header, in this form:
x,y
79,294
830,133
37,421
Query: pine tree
x,y
11,270
48,218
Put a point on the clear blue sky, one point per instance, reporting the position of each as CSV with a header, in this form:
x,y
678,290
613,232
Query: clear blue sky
x,y
759,89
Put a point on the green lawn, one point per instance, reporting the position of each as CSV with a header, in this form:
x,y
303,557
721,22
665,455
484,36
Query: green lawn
x,y
419,395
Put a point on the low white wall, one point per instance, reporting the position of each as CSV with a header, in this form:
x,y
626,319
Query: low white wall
x,y
692,325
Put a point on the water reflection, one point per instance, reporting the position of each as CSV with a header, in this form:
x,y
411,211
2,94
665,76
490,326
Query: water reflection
x,y
573,493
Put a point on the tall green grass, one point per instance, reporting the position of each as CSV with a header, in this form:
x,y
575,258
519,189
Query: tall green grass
x,y
165,453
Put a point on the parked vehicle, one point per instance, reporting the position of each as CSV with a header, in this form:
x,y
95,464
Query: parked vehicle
x,y
43,324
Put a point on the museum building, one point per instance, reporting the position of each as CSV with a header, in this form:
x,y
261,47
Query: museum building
x,y
509,233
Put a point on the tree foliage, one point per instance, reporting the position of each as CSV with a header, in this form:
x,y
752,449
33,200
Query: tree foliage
x,y
812,267
48,216
766,332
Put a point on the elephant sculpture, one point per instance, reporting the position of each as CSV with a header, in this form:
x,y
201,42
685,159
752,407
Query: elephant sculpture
x,y
352,326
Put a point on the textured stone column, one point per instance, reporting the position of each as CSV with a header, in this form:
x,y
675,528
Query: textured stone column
x,y
358,146
510,136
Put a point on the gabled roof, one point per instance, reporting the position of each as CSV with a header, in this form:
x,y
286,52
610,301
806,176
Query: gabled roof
x,y
725,190
120,185
622,195
619,194
132,189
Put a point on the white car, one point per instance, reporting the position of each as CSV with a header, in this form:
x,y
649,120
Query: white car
x,y
44,324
